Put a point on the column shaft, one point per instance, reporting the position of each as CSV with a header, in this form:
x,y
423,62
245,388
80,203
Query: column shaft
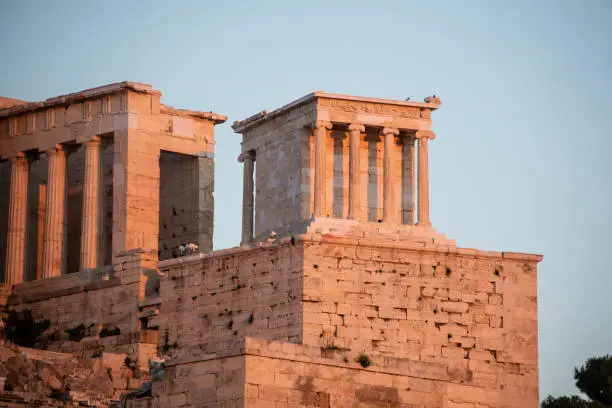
x,y
412,182
354,207
17,220
91,186
247,197
53,242
320,187
423,177
40,242
388,174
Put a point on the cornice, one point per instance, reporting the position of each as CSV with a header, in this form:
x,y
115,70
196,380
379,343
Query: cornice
x,y
241,126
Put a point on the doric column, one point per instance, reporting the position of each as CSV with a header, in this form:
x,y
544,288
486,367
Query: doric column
x,y
320,128
354,191
248,158
423,175
91,187
53,242
18,199
40,223
388,204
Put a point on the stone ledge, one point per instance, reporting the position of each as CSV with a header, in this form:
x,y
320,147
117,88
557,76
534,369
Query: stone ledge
x,y
421,247
90,287
299,353
214,117
40,296
196,258
342,239
64,285
182,260
43,355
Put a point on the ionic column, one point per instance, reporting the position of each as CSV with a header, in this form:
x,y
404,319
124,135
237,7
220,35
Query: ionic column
x,y
248,158
423,177
53,241
412,181
18,199
91,186
320,187
388,205
354,191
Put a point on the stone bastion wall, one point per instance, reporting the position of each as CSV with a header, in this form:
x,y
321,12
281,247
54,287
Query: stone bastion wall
x,y
315,318
88,313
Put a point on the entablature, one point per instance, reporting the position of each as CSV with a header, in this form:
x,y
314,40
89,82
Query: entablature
x,y
346,109
79,116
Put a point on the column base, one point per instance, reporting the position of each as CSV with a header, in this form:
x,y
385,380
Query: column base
x,y
375,230
355,229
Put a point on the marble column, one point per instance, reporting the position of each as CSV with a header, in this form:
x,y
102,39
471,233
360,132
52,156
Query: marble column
x,y
91,187
388,174
413,177
53,242
320,186
17,220
354,190
248,158
40,225
423,177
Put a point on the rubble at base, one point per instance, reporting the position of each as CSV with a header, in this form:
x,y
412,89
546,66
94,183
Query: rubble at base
x,y
40,378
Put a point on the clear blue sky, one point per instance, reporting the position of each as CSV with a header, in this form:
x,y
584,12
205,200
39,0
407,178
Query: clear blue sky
x,y
521,161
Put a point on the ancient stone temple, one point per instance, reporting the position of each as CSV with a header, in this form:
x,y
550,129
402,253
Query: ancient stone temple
x,y
91,174
326,157
341,293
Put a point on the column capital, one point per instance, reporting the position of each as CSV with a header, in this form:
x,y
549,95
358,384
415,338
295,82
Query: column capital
x,y
17,158
249,155
93,142
390,131
322,124
356,127
54,150
424,134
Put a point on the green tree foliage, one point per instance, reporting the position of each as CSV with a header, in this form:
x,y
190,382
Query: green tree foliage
x,y
594,379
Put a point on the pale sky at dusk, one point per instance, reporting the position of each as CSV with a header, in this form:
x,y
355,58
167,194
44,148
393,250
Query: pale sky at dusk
x,y
521,160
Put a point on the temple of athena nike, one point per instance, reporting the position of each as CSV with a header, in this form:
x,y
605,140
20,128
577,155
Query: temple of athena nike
x,y
340,293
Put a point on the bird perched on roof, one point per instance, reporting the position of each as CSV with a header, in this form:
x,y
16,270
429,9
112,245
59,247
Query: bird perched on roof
x,y
433,100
